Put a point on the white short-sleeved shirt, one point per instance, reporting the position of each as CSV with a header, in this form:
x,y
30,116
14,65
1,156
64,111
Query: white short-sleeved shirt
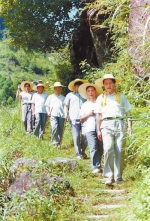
x,y
39,101
74,101
112,107
25,97
56,104
90,123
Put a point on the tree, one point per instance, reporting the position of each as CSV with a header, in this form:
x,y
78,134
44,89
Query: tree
x,y
38,24
6,91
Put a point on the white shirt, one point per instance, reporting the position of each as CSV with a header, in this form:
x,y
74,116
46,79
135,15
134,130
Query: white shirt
x,y
25,97
90,123
74,101
56,104
39,101
112,107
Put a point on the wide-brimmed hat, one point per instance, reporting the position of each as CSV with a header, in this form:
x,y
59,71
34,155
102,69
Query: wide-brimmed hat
x,y
57,84
26,82
41,84
71,84
106,76
83,87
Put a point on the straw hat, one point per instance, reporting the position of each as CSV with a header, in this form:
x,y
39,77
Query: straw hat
x,y
57,84
26,82
41,84
106,76
71,84
82,89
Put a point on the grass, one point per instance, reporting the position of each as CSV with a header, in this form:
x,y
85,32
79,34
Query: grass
x,y
89,191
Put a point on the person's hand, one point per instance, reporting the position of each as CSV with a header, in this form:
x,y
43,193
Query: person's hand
x,y
99,135
129,131
67,118
49,114
19,87
91,113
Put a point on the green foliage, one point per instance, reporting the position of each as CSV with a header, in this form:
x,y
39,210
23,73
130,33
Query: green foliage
x,y
42,25
59,205
6,91
141,195
17,66
63,68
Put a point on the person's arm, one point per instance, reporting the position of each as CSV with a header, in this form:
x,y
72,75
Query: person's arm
x,y
129,122
18,93
66,107
98,122
48,110
33,108
84,118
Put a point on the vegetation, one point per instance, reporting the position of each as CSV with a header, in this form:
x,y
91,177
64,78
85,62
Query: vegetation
x,y
15,66
38,25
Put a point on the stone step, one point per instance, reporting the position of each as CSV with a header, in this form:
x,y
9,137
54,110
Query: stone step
x,y
109,206
113,191
99,217
119,197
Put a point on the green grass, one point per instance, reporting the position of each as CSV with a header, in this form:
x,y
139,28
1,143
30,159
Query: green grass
x,y
88,191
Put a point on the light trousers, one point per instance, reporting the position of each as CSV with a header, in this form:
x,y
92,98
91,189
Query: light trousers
x,y
79,139
57,124
26,117
96,149
113,134
40,121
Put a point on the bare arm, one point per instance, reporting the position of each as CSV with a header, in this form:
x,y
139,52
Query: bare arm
x,y
67,112
18,93
129,121
48,111
33,108
84,118
98,122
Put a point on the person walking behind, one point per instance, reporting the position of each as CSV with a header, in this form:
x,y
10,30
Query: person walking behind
x,y
73,103
24,94
39,109
113,109
88,117
55,111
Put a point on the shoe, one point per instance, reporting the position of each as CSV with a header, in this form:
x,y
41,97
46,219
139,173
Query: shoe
x,y
97,170
79,157
119,181
84,156
109,182
57,145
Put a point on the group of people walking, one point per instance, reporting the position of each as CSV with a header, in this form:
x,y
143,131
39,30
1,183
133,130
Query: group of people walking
x,y
96,116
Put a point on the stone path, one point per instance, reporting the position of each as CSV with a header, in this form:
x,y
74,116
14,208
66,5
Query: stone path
x,y
112,200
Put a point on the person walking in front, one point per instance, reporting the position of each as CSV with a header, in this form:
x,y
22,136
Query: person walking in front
x,y
88,117
25,95
73,103
39,109
55,111
113,109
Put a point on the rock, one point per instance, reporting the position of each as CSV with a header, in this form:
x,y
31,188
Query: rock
x,y
70,164
27,175
43,182
20,164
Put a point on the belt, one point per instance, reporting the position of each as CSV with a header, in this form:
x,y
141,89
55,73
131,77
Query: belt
x,y
113,118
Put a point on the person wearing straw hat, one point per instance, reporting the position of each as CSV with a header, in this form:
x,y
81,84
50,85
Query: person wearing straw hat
x,y
39,109
55,111
90,92
34,90
113,109
24,94
73,103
